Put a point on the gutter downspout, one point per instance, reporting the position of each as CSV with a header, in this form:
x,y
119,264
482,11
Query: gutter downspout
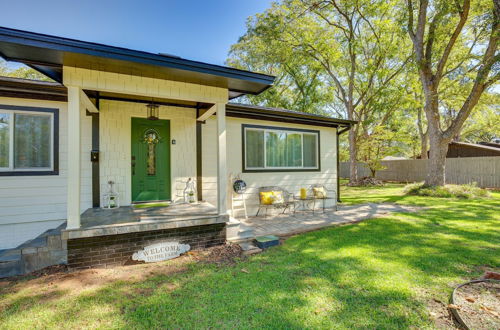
x,y
338,161
199,150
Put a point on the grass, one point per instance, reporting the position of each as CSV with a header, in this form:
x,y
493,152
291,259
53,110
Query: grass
x,y
381,273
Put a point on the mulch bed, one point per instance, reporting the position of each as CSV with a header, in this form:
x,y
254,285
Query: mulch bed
x,y
477,304
226,254
366,182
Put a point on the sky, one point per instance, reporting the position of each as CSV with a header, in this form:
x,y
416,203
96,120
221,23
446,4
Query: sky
x,y
201,30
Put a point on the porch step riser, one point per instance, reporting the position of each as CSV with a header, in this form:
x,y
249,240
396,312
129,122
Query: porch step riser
x,y
11,268
47,249
241,236
238,232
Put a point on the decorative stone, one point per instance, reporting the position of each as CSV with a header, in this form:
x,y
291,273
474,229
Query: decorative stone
x,y
161,251
29,250
54,242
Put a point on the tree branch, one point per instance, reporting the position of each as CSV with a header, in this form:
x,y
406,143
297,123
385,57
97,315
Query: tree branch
x,y
481,82
464,14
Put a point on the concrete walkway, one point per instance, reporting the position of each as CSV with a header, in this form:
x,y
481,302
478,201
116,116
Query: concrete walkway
x,y
288,224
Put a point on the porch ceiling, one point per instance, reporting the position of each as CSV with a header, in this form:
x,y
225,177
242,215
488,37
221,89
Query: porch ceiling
x,y
48,54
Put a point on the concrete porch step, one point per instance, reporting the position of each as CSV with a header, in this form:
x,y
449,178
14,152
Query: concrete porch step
x,y
37,242
239,232
12,255
11,268
47,249
10,252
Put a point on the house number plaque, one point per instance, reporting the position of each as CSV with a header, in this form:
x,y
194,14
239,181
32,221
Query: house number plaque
x,y
161,251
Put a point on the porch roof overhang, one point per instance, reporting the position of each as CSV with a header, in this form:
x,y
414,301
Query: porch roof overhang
x,y
48,54
24,88
285,115
32,89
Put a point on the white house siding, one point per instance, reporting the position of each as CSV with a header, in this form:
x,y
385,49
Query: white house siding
x,y
115,145
129,84
291,181
30,205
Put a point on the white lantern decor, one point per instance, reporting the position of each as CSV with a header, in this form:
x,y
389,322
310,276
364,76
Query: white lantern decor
x,y
111,199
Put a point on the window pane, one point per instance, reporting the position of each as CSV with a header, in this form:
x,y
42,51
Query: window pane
x,y
310,150
294,150
254,148
32,141
275,149
4,139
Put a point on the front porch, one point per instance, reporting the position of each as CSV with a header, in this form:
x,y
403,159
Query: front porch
x,y
118,156
132,219
140,160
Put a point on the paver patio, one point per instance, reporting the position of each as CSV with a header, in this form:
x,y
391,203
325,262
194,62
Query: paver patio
x,y
289,223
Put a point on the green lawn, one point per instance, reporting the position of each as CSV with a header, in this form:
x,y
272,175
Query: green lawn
x,y
381,273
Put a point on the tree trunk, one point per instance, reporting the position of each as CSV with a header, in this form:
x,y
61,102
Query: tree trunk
x,y
437,158
424,136
424,139
438,143
353,166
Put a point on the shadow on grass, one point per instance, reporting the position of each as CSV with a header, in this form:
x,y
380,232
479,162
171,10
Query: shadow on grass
x,y
368,275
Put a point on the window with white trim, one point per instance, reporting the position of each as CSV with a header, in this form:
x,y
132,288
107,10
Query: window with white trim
x,y
274,148
26,140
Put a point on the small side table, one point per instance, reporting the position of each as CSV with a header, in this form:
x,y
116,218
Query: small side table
x,y
303,202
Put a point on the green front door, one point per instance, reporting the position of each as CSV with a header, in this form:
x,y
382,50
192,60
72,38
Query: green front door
x,y
150,160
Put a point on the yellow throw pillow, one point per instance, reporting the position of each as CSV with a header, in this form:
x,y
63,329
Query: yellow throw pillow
x,y
278,197
266,197
319,192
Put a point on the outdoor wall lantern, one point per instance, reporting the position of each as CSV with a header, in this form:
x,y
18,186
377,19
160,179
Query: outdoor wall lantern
x,y
153,111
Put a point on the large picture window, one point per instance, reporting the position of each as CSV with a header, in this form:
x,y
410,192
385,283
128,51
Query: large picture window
x,y
279,149
28,140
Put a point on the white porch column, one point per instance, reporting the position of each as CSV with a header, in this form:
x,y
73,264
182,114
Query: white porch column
x,y
221,159
74,155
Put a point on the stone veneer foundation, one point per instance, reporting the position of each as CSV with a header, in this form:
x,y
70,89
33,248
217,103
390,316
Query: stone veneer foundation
x,y
113,250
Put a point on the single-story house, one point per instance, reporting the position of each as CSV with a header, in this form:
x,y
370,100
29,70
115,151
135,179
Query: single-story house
x,y
463,149
120,127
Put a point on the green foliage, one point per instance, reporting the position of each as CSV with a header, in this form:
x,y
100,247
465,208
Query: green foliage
x,y
465,191
323,66
379,144
299,85
341,58
483,124
23,72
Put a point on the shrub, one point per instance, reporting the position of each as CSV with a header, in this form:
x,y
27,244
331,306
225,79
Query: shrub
x,y
465,191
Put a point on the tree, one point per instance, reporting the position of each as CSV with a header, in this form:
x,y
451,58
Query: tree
x,y
357,47
483,124
373,148
21,72
455,44
298,84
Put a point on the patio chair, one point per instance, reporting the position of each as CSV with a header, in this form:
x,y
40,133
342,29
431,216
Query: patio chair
x,y
320,193
274,197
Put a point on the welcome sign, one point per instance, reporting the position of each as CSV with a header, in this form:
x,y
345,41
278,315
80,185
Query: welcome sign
x,y
161,251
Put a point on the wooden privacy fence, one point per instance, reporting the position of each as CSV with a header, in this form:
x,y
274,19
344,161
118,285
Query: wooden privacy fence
x,y
483,170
